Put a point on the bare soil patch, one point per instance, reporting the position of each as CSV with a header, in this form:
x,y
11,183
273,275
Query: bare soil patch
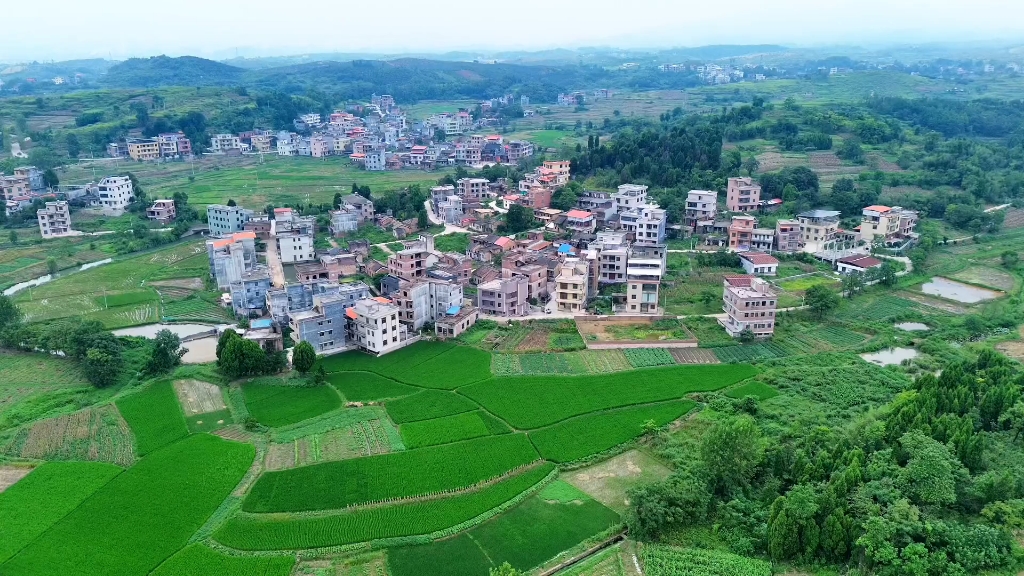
x,y
770,161
608,481
932,302
536,340
11,474
1013,349
186,283
197,397
883,164
693,356
1014,218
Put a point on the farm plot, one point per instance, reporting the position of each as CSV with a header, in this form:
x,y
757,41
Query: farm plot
x,y
802,283
758,390
609,482
146,513
368,387
421,472
200,560
452,368
194,309
10,475
659,560
45,496
693,356
838,336
198,397
987,277
750,352
95,434
451,429
428,404
273,403
256,532
553,399
591,434
878,309
389,365
154,416
554,363
352,440
648,357
557,518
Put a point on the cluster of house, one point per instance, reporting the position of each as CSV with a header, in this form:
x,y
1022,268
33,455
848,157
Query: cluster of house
x,y
714,73
21,188
748,300
171,145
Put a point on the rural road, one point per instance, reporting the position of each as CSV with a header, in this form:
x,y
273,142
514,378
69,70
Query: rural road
x,y
274,263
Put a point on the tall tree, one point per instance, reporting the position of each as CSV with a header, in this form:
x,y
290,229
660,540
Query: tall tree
x,y
821,300
303,357
517,219
167,352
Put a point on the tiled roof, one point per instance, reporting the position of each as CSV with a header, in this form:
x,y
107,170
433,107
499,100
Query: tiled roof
x,y
861,261
579,214
878,208
759,258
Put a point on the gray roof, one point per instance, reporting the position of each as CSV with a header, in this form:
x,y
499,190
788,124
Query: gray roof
x,y
818,213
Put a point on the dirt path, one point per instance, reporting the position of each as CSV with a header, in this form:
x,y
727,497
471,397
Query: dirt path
x,y
274,263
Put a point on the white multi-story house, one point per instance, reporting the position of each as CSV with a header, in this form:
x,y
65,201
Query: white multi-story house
x,y
701,207
749,303
630,196
116,193
225,142
572,281
375,160
226,219
644,272
374,327
612,252
54,219
818,229
294,246
884,224
645,222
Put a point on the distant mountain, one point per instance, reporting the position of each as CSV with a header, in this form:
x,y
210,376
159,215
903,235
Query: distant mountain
x,y
166,71
724,51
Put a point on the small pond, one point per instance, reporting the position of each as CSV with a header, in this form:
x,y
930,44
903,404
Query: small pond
x,y
953,290
912,326
891,356
200,351
150,330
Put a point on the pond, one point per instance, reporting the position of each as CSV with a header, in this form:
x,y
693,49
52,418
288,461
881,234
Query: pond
x,y
953,290
912,326
890,357
150,330
200,351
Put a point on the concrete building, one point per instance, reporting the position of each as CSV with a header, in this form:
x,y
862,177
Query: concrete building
x,y
787,236
472,189
324,325
644,272
425,301
701,208
646,223
227,219
162,211
360,205
580,221
857,264
630,196
283,302
885,225
294,246
455,321
116,193
143,149
174,145
373,326
413,262
375,160
249,293
759,263
612,250
54,219
762,239
572,281
343,221
748,303
225,142
742,195
504,297
817,229
741,233
231,257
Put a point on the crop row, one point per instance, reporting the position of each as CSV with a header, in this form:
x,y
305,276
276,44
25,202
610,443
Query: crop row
x,y
751,352
648,357
661,560
420,472
428,404
450,429
528,402
200,560
154,415
254,532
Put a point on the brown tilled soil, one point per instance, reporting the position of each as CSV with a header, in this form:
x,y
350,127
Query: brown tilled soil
x,y
96,434
11,474
186,283
536,340
693,356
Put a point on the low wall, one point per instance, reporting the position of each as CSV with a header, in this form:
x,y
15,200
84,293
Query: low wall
x,y
622,344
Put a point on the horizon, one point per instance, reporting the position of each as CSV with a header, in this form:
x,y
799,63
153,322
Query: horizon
x,y
226,30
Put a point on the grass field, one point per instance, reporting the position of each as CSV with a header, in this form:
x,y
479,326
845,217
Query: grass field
x,y
143,515
367,386
557,518
38,386
155,416
275,404
591,434
441,365
46,495
756,389
425,471
95,434
428,404
257,532
553,363
200,560
552,399
750,352
278,180
451,429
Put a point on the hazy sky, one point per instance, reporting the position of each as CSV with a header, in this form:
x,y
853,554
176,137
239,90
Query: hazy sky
x,y
62,29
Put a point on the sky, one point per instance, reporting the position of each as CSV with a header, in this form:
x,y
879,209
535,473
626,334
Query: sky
x,y
67,29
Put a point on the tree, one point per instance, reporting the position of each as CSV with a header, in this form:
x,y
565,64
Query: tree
x,y
930,470
887,274
243,357
74,147
222,342
851,150
167,352
730,452
681,500
747,336
821,300
751,165
13,237
231,202
51,265
517,219
103,359
853,282
565,198
422,221
303,357
319,375
270,211
1010,259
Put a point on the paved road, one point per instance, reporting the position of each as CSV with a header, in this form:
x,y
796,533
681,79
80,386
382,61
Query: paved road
x,y
274,263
